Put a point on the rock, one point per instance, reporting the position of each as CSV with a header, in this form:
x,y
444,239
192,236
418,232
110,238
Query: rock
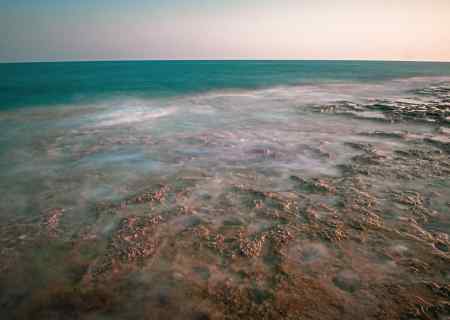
x,y
444,130
441,141
314,185
134,241
252,248
391,134
52,220
441,246
149,196
281,236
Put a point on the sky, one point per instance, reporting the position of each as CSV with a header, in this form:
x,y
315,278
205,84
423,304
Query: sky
x,y
53,30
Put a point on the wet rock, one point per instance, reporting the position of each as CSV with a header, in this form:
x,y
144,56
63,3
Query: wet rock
x,y
330,227
314,185
442,242
263,152
149,196
389,135
394,110
420,154
442,246
414,265
442,290
441,141
334,231
373,220
444,130
280,236
252,198
132,243
299,232
215,241
426,310
134,238
328,109
52,219
411,198
366,147
252,248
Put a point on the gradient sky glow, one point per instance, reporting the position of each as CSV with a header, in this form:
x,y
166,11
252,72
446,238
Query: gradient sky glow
x,y
47,30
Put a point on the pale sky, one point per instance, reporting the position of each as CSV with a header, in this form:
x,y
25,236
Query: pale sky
x,y
48,30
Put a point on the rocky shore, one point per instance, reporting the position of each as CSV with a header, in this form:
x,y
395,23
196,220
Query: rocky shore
x,y
371,242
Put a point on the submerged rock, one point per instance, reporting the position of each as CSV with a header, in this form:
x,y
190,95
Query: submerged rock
x,y
394,110
252,248
314,185
52,220
131,244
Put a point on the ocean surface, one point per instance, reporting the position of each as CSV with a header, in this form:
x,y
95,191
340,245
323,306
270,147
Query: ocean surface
x,y
44,84
224,189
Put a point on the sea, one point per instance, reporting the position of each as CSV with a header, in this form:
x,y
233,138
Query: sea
x,y
137,188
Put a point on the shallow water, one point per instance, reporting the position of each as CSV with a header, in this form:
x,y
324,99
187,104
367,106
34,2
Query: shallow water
x,y
226,204
91,151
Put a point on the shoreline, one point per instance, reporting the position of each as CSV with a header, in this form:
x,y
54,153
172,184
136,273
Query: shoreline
x,y
236,207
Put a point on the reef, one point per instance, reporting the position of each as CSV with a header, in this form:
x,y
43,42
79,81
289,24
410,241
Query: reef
x,y
371,242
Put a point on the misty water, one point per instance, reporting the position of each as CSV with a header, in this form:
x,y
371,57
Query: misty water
x,y
299,201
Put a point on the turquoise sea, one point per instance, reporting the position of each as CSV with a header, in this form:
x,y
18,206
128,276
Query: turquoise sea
x,y
43,84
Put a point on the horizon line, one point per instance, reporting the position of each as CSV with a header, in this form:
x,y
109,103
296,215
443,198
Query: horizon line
x,y
220,59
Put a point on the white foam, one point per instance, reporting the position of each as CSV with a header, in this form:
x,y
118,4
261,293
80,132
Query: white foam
x,y
132,115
